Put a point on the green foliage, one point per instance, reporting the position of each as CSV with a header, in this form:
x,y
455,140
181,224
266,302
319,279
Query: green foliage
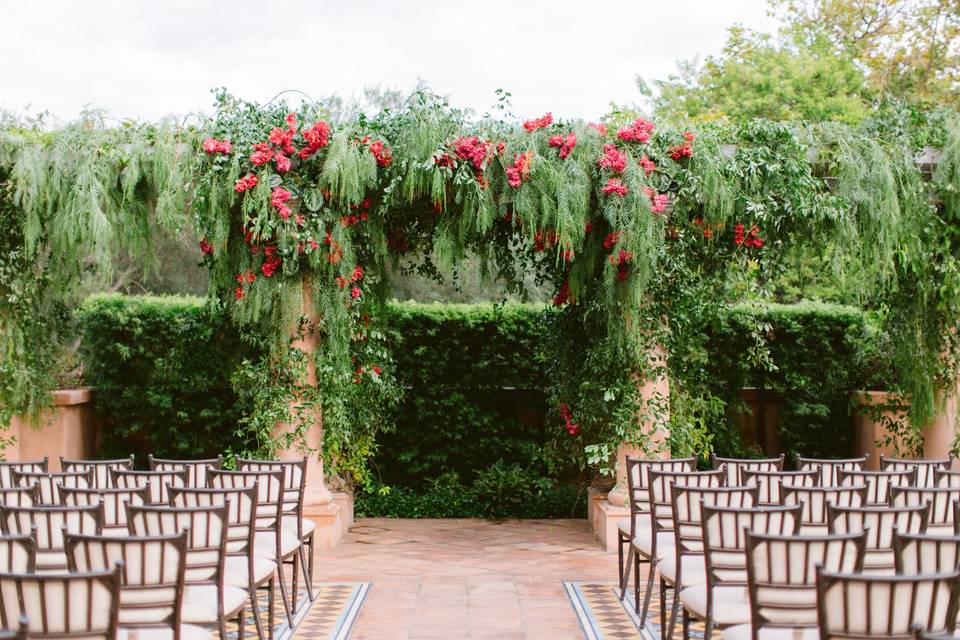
x,y
162,370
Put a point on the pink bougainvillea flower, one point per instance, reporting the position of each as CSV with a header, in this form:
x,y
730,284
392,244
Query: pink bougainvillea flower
x,y
615,187
381,153
563,295
679,151
688,136
613,159
212,145
238,293
639,131
598,127
473,150
738,233
270,266
538,123
647,165
520,171
564,143
611,239
279,195
355,292
283,163
262,154
205,246
248,181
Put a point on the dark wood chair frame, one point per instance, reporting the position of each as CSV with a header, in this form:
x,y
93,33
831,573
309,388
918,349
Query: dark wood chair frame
x,y
830,466
192,467
736,466
101,469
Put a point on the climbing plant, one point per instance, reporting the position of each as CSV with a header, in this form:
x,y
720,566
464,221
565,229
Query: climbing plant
x,y
636,228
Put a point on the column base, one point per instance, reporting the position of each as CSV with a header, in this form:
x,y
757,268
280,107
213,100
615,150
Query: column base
x,y
332,520
607,515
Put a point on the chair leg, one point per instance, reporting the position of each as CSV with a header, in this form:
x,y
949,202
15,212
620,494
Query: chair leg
x,y
308,570
295,569
686,625
651,569
673,611
272,607
663,609
241,625
620,569
284,596
636,582
255,610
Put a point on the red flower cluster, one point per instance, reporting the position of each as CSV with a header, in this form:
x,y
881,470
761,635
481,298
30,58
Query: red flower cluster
x,y
639,131
317,137
212,145
205,246
356,218
647,165
543,239
473,150
688,136
615,187
622,257
538,123
354,277
751,239
565,145
381,153
520,171
658,201
613,159
567,415
679,151
246,278
598,127
563,295
355,292
248,181
278,199
262,154
611,239
336,250
707,231
270,265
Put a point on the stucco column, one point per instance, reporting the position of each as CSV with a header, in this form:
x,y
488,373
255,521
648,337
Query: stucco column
x,y
652,430
316,493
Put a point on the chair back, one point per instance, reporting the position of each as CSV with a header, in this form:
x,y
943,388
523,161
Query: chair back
x,y
28,496
724,542
878,483
770,483
828,467
152,573
814,501
925,468
196,469
49,525
241,506
660,496
155,481
24,466
269,485
638,483
940,499
879,524
688,514
50,483
736,466
101,469
114,501
64,606
946,478
781,575
856,606
925,554
206,536
294,484
18,553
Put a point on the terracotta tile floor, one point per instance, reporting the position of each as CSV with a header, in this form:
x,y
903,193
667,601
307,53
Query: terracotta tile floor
x,y
467,578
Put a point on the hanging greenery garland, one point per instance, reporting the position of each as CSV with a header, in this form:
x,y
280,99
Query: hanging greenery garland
x,y
634,227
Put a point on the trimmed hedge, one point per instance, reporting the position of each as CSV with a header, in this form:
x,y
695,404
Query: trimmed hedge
x,y
472,420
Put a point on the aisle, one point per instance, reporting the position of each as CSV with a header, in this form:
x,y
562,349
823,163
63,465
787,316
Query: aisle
x,y
456,579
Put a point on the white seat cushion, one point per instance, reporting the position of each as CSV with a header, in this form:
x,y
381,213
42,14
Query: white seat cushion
x,y
643,522
742,632
49,561
119,531
236,570
643,542
693,567
730,604
290,522
187,632
200,602
265,543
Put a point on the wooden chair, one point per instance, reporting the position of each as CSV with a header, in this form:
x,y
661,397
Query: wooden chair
x,y
156,481
294,483
18,552
941,505
924,554
271,539
770,483
638,499
828,467
736,466
878,483
946,478
152,581
50,483
659,542
243,567
114,502
722,600
925,468
814,501
196,469
868,606
49,525
880,523
686,567
23,633
81,606
208,601
25,466
781,581
101,469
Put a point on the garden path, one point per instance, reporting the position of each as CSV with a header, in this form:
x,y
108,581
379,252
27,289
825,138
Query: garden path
x,y
472,579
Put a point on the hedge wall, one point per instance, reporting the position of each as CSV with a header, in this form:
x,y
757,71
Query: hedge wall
x,y
472,419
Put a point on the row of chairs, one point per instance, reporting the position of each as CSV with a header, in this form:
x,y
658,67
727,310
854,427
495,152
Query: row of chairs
x,y
754,550
167,553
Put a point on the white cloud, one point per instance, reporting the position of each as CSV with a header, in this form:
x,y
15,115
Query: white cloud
x,y
140,58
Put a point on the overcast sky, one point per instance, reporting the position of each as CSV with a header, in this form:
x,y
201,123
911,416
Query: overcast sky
x,y
138,58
